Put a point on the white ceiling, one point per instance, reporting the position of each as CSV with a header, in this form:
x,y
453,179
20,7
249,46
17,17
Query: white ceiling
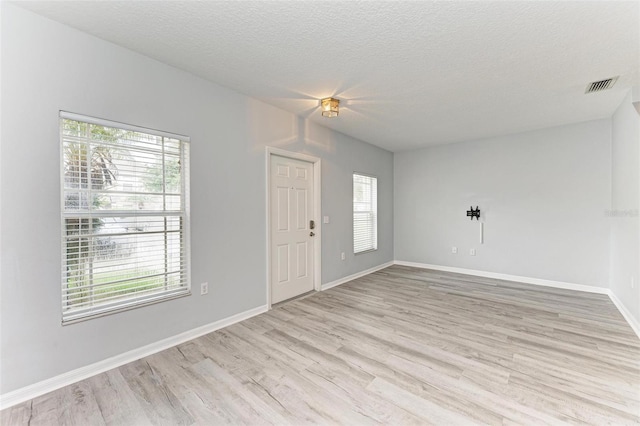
x,y
408,74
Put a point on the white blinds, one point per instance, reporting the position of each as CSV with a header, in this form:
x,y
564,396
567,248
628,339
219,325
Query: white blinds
x,y
124,217
365,213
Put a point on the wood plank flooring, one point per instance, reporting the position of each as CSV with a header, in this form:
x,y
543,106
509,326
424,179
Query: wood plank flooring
x,y
400,346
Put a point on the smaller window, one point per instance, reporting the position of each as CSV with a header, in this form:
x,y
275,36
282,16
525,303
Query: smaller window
x,y
365,213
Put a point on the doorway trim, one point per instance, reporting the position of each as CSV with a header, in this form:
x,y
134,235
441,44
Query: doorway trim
x,y
317,212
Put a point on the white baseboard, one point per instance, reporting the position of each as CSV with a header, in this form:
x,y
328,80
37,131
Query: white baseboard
x,y
635,325
28,392
343,280
507,277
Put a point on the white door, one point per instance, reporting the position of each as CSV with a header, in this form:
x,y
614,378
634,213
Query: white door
x,y
291,195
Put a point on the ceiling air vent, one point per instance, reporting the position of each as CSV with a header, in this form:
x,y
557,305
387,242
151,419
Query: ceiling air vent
x,y
598,86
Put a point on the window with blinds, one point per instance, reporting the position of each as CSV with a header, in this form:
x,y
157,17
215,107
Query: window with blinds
x,y
365,213
124,216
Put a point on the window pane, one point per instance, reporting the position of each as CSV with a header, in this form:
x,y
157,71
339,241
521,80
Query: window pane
x,y
364,213
124,220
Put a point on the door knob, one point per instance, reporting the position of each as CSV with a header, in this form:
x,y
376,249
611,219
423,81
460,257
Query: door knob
x,y
311,234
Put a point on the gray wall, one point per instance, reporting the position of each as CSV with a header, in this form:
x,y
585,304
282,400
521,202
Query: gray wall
x,y
625,195
542,194
47,67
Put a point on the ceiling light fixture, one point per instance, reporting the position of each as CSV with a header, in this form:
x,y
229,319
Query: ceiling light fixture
x,y
329,107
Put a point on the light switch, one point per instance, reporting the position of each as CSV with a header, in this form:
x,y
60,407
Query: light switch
x,y
325,219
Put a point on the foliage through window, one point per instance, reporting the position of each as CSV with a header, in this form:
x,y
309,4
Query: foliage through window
x,y
124,220
365,213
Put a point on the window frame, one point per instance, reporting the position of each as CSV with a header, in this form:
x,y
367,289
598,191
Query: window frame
x,y
374,214
182,215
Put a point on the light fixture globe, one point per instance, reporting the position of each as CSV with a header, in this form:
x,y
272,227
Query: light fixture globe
x,y
329,107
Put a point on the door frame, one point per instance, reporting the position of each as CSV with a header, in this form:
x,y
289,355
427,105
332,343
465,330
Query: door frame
x,y
316,164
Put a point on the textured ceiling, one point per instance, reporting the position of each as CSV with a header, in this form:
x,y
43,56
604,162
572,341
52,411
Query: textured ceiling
x,y
408,74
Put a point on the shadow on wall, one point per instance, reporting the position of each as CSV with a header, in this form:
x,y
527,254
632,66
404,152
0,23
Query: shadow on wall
x,y
271,126
319,138
267,125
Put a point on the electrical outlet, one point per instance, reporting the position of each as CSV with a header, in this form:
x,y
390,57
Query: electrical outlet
x,y
204,288
342,256
325,219
454,250
472,252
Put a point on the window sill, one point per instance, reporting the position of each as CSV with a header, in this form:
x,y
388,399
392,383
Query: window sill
x,y
365,251
134,305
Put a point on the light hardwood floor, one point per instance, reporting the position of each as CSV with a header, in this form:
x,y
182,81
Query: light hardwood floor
x,y
400,346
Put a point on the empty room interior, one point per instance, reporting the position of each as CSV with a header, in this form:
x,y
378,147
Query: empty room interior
x,y
296,212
